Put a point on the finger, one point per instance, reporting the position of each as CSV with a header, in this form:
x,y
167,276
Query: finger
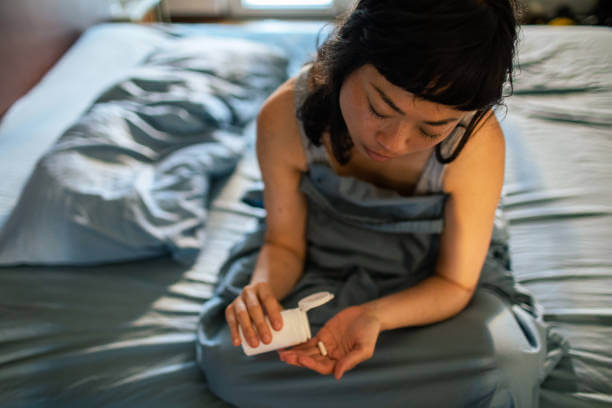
x,y
305,351
356,356
309,345
290,358
320,364
312,351
245,322
257,316
295,355
328,340
230,317
273,308
306,348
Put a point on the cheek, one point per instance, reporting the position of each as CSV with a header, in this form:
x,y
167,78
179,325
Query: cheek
x,y
419,142
356,115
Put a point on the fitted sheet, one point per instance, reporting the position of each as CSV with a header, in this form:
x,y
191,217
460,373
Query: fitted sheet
x,y
123,334
558,203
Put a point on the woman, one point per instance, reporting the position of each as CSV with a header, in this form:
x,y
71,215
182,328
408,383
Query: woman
x,y
383,166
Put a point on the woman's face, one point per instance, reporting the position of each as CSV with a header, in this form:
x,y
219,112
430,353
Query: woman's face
x,y
386,122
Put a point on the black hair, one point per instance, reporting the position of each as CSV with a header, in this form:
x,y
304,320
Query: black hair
x,y
453,52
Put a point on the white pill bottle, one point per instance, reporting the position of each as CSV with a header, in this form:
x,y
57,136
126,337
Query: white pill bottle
x,y
296,327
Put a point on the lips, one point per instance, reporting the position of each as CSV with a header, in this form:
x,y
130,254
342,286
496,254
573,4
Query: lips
x,y
376,156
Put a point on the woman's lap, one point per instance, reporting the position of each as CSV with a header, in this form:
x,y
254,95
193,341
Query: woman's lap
x,y
481,357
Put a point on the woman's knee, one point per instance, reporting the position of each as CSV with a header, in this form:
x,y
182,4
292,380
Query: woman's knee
x,y
220,362
516,345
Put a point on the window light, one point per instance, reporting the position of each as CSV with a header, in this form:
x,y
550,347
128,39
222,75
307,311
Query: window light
x,y
287,4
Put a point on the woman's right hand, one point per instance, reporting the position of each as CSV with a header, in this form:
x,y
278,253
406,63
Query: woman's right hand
x,y
248,310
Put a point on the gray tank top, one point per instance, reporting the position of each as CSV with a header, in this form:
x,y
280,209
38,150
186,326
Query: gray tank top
x,y
431,178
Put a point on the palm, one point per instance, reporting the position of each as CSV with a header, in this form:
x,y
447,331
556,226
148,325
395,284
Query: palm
x,y
349,337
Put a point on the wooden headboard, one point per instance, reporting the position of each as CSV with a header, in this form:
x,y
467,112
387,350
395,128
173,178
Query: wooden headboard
x,y
35,34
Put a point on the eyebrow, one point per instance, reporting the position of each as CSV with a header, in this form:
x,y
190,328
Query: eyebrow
x,y
387,100
393,106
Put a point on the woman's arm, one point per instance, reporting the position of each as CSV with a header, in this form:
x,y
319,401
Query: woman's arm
x,y
282,160
280,262
474,182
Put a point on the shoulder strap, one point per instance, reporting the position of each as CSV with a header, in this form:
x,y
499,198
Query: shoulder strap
x,y
314,154
432,177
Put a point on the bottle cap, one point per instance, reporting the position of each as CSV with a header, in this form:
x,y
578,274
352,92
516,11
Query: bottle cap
x,y
314,300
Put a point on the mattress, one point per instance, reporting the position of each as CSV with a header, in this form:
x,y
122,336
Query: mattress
x,y
123,334
558,195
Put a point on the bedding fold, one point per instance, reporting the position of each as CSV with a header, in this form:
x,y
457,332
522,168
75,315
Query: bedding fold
x,y
131,178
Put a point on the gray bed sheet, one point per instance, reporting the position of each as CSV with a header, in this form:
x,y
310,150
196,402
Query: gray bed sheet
x,y
123,334
559,199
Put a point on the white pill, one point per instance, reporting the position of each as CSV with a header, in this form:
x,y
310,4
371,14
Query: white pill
x,y
322,348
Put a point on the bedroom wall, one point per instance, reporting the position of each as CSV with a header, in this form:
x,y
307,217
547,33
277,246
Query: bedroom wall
x,y
233,8
550,7
35,33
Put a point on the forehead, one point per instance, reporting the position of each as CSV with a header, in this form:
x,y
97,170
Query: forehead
x,y
370,79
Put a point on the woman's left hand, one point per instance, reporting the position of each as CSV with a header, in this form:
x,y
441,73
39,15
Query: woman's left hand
x,y
349,338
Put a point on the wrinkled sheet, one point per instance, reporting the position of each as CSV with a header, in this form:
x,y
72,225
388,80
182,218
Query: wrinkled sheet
x,y
130,179
558,204
123,335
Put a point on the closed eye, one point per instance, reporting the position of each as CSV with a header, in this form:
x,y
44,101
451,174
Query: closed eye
x,y
429,135
436,135
374,112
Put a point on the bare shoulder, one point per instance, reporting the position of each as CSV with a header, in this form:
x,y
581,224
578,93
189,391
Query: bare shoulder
x,y
482,160
278,135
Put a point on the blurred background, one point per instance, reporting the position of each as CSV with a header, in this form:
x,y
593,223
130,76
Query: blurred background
x,y
49,28
592,12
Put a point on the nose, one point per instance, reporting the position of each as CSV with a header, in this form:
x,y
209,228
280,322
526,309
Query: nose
x,y
390,140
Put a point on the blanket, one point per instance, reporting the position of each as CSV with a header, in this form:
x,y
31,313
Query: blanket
x,y
131,178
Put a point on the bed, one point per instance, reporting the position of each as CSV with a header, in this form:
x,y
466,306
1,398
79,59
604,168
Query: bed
x,y
91,321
